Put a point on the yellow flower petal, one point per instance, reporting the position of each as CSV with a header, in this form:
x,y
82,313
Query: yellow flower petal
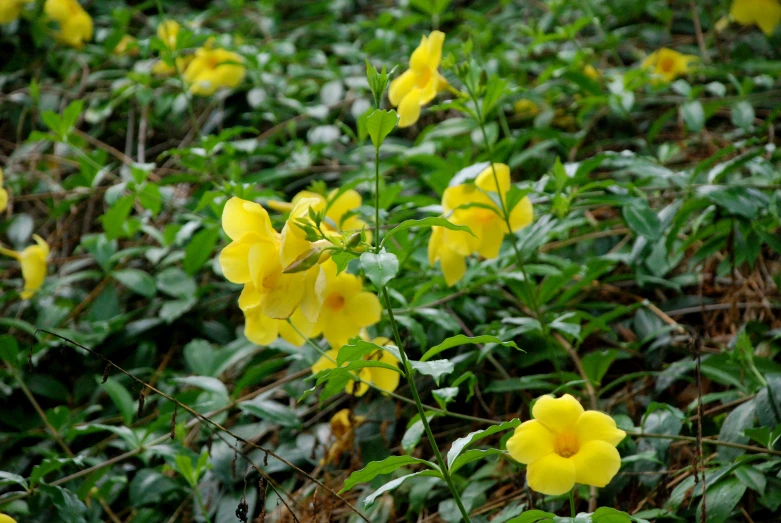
x,y
594,425
453,266
249,297
522,214
385,379
337,328
766,14
420,56
596,463
259,328
364,309
283,295
486,182
234,259
302,325
314,293
360,388
435,42
557,414
75,24
409,108
3,199
241,216
6,519
531,441
552,475
326,361
401,86
167,31
491,239
348,201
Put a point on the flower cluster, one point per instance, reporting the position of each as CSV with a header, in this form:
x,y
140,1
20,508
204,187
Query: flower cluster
x,y
289,274
478,207
564,445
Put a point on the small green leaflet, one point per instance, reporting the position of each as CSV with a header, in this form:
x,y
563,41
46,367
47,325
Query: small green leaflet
x,y
379,124
379,268
460,339
386,466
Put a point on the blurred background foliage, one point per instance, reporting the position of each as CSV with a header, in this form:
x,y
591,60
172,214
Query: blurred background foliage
x,y
654,249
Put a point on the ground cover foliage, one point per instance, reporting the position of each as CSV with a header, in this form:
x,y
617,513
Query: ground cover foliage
x,y
149,371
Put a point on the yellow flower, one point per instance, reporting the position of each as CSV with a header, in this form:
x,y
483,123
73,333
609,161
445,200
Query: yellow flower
x,y
168,31
484,219
126,45
346,308
10,11
564,445
6,519
765,14
33,262
385,379
419,84
160,68
75,23
343,425
269,296
526,108
3,194
592,72
339,217
667,65
212,69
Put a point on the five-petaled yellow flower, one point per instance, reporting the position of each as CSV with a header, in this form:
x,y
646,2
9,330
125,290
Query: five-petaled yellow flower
x,y
419,84
75,24
385,379
10,11
212,69
667,65
3,194
564,445
33,262
476,206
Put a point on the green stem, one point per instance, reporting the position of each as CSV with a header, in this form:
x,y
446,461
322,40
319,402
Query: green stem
x,y
572,502
377,198
409,371
203,507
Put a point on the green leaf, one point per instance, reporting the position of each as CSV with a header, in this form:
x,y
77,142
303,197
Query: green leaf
x,y
380,268
70,508
460,339
386,466
9,478
741,418
114,219
356,351
462,443
49,465
379,124
473,455
435,369
643,220
432,221
136,280
9,350
271,411
693,115
722,498
200,249
610,515
743,114
533,516
121,398
393,484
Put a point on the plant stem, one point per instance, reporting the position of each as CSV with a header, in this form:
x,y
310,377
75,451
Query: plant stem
x,y
200,503
377,199
572,502
409,372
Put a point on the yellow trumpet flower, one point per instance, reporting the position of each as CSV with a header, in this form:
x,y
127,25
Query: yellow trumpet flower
x,y
9,12
33,262
564,445
75,24
666,64
765,14
212,69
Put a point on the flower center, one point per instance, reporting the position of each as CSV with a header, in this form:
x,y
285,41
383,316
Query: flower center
x,y
566,445
667,65
424,77
335,301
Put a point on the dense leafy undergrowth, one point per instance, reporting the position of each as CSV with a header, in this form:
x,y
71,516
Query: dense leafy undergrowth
x,y
622,249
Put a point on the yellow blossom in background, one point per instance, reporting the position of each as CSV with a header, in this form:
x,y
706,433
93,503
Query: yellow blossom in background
x,y
385,379
564,445
346,308
3,194
592,72
126,45
526,108
33,262
75,24
6,519
765,14
343,425
667,65
483,218
168,32
212,69
160,68
9,12
419,84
